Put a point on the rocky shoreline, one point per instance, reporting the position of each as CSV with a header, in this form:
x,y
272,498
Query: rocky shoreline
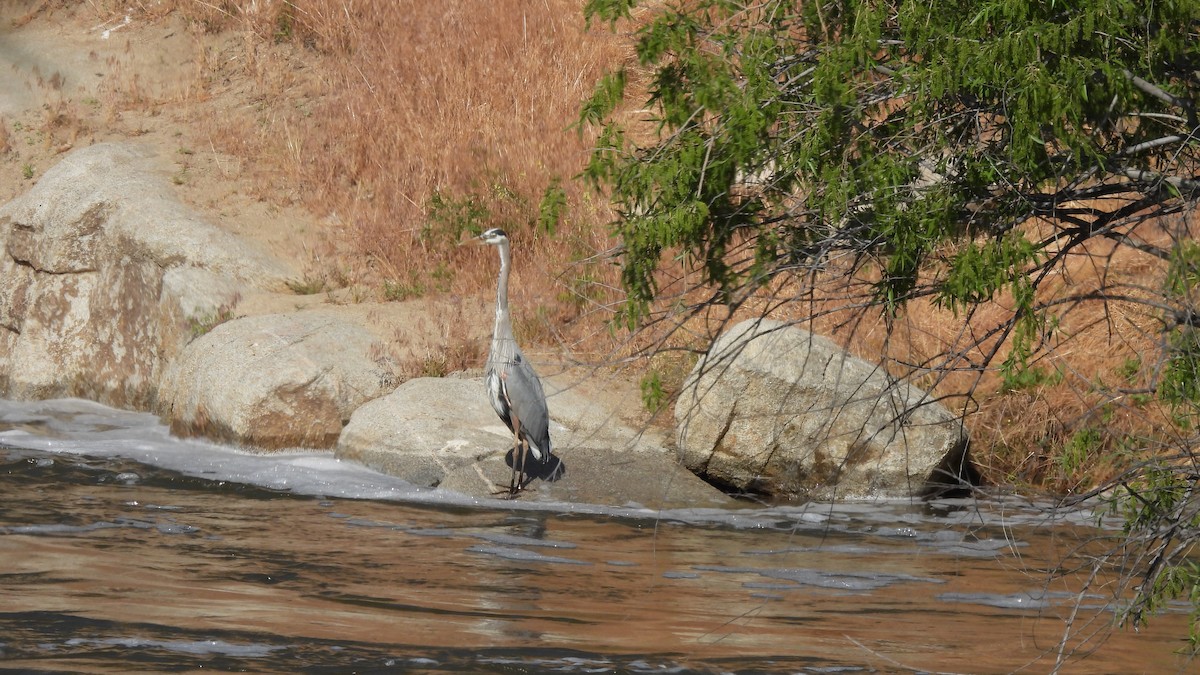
x,y
113,290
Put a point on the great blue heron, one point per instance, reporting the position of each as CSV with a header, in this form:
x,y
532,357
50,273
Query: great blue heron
x,y
514,388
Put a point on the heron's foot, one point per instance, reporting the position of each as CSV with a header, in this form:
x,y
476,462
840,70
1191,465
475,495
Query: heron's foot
x,y
510,491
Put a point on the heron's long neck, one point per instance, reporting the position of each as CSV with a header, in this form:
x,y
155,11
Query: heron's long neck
x,y
503,323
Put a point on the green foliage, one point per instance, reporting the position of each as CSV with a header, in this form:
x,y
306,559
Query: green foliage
x,y
284,22
609,10
608,94
980,270
654,397
204,323
1180,382
1029,328
665,377
399,290
551,207
1161,506
1083,444
1163,494
1018,376
584,285
1159,492
309,284
1183,270
1141,399
885,130
1130,369
442,276
452,217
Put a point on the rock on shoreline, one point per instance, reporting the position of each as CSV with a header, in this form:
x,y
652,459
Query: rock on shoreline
x,y
774,408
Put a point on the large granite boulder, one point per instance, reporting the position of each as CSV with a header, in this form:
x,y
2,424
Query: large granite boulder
x,y
777,410
276,381
442,432
104,274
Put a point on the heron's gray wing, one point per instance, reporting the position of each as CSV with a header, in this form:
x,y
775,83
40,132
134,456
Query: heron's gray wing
x,y
528,402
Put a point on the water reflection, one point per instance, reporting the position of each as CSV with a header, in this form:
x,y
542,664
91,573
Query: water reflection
x,y
122,549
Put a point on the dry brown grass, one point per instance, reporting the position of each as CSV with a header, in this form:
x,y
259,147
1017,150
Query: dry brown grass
x,y
1090,417
410,122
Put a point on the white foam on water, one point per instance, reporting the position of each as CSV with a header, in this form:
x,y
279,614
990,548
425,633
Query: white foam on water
x,y
1021,600
63,528
514,540
73,426
193,647
84,428
522,555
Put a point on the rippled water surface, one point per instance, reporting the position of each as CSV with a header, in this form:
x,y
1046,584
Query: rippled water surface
x,y
122,549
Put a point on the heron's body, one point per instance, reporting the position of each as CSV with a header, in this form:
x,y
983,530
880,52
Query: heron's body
x,y
514,388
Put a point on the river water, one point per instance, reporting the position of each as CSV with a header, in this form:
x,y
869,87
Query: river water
x,y
125,550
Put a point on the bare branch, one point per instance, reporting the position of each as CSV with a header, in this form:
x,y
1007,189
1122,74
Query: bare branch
x,y
1157,92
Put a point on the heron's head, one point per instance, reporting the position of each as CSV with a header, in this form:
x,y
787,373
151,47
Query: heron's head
x,y
492,237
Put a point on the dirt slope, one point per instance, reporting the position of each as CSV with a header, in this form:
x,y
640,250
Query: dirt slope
x,y
67,81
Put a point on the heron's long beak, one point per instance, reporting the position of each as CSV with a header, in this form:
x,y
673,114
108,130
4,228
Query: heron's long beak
x,y
477,240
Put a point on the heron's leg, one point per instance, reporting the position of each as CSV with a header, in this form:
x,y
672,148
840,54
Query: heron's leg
x,y
518,465
517,480
525,477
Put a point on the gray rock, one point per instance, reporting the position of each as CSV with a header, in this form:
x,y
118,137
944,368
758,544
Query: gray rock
x,y
275,381
775,409
442,432
424,430
91,261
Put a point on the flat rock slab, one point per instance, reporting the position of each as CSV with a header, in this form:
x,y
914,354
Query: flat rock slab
x,y
441,432
653,480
